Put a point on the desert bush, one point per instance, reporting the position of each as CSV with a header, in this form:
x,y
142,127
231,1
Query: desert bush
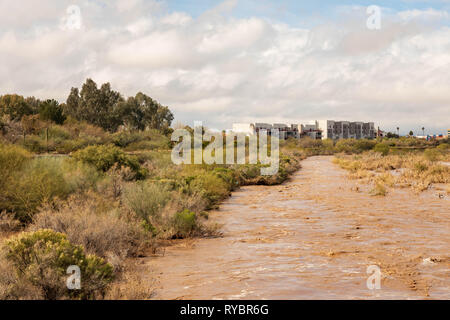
x,y
101,229
210,185
104,157
124,138
43,180
131,284
8,222
12,159
432,155
382,148
10,286
141,140
184,224
41,258
40,181
35,144
56,132
147,199
379,189
352,146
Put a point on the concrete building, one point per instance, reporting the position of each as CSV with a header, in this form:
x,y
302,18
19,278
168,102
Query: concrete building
x,y
322,129
311,130
346,130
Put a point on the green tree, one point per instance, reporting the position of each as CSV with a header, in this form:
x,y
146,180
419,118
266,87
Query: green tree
x,y
107,108
94,105
50,110
14,106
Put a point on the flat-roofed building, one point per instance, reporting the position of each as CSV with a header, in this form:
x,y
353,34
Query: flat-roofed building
x,y
311,130
346,130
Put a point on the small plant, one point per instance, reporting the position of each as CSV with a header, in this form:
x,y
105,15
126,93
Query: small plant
x,y
382,148
184,223
379,189
147,200
41,259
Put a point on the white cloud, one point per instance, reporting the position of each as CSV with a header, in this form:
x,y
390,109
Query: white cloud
x,y
222,70
428,14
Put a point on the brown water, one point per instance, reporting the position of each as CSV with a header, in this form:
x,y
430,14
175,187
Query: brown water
x,y
313,238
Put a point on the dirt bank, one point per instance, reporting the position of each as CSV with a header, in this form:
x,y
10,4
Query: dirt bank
x,y
313,238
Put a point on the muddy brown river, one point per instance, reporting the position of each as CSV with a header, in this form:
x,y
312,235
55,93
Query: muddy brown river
x,y
313,238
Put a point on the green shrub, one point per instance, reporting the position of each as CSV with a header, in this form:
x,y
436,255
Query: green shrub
x,y
141,140
41,258
147,200
229,176
35,144
382,148
104,157
365,145
124,138
210,185
354,146
37,183
184,224
56,132
42,180
12,159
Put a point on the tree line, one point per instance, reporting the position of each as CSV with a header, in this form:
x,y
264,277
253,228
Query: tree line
x,y
100,106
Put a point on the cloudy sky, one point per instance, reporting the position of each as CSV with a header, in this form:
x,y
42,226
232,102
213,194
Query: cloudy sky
x,y
231,61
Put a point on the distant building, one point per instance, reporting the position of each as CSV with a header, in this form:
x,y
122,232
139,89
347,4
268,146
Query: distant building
x,y
247,128
311,130
436,137
323,129
346,130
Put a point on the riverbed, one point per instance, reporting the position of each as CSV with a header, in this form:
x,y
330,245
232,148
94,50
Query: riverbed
x,y
314,238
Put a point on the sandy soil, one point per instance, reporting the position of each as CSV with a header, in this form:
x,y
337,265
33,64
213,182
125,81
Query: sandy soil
x,y
313,238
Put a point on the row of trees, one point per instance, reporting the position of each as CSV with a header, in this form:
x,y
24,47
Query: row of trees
x,y
16,107
102,107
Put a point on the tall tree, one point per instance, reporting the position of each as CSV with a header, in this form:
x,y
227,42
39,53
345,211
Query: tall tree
x,y
94,105
50,110
106,108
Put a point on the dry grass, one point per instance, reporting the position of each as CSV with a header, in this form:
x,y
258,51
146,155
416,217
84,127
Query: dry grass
x,y
415,170
131,286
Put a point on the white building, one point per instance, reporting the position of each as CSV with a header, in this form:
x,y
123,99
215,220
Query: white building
x,y
247,128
